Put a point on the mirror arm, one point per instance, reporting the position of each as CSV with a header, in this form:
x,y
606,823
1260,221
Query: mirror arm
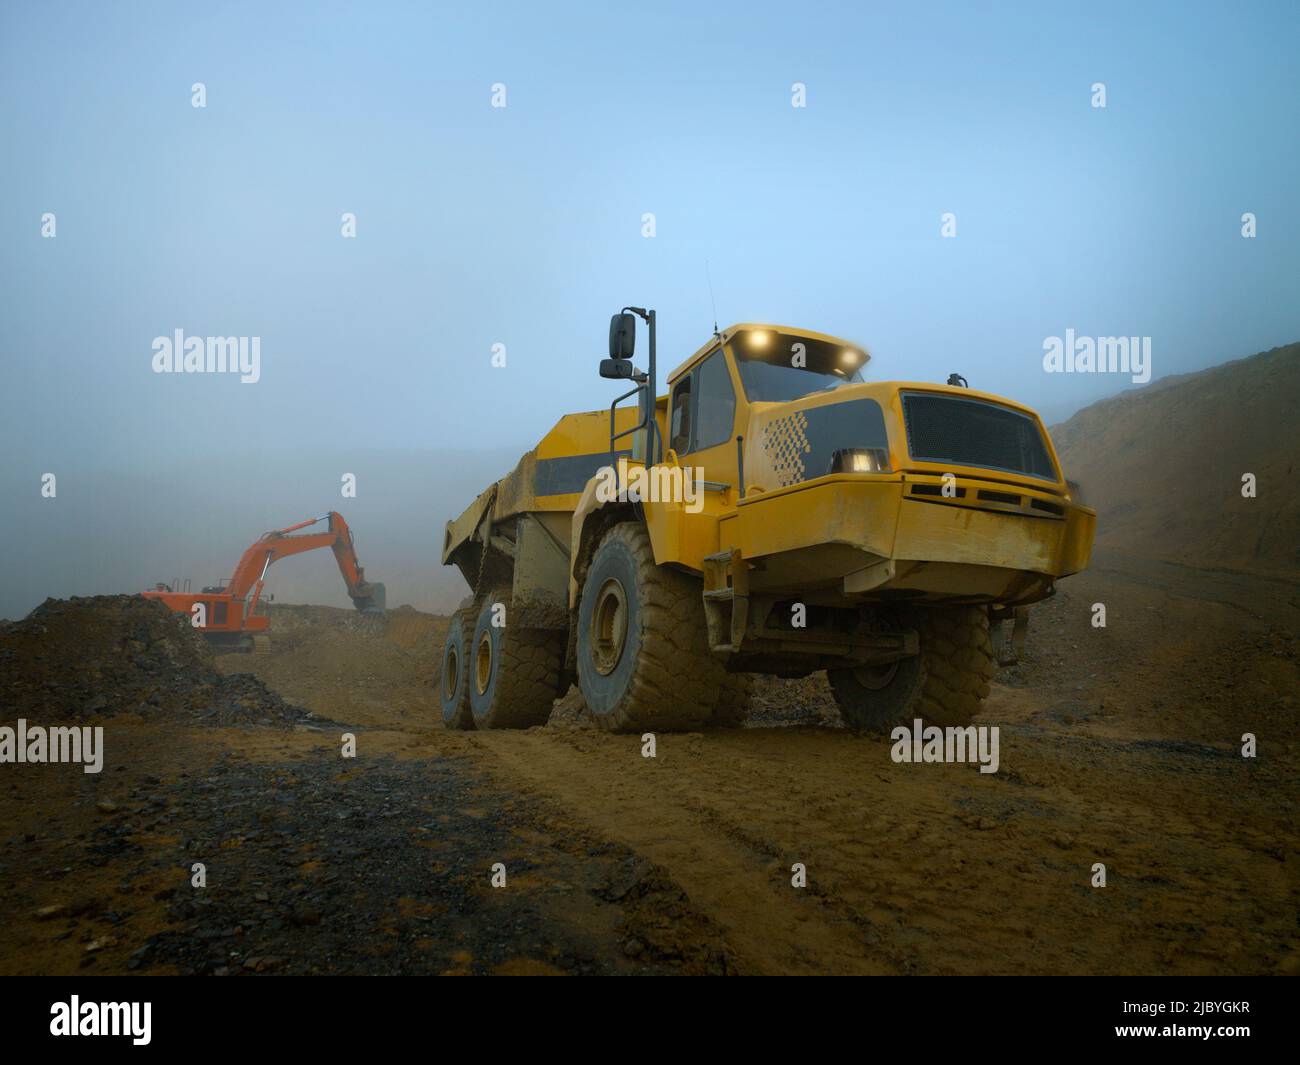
x,y
652,427
646,385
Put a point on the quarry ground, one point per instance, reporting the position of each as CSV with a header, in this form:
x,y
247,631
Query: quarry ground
x,y
1119,745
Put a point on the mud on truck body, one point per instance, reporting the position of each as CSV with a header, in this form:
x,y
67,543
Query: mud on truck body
x,y
881,531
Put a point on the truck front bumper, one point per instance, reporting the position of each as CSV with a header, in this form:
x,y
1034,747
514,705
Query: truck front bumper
x,y
900,536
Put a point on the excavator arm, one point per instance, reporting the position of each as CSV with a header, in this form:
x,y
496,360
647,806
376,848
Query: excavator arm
x,y
250,571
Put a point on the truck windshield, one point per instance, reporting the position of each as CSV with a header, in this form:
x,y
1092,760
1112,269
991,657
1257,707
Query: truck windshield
x,y
778,367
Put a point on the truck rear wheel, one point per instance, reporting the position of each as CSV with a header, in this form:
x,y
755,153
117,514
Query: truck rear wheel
x,y
453,685
642,642
513,672
943,684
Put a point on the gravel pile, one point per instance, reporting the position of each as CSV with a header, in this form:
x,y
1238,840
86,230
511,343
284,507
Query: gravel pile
x,y
79,659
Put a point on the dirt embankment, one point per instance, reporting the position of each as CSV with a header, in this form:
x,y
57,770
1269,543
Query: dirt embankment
x,y
369,670
1163,465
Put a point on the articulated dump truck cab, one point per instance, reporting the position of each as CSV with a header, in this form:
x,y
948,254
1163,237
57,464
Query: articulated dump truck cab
x,y
773,513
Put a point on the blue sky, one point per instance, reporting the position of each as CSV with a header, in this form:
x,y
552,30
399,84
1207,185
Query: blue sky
x,y
522,225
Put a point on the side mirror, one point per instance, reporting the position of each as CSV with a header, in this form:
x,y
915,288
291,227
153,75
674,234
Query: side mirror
x,y
616,369
622,337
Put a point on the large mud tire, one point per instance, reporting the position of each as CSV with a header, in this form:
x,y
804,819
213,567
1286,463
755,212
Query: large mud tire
x,y
453,677
943,685
732,707
514,672
642,640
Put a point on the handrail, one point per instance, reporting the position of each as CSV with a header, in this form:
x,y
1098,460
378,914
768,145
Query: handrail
x,y
613,421
648,420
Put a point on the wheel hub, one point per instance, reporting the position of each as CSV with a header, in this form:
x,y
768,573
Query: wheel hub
x,y
608,627
483,663
450,673
876,678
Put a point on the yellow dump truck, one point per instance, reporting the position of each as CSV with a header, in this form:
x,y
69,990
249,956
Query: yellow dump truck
x,y
774,513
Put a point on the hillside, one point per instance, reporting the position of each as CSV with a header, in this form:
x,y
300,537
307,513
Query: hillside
x,y
1163,465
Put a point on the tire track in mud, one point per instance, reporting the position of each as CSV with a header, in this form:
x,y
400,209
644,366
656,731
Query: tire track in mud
x,y
935,869
770,926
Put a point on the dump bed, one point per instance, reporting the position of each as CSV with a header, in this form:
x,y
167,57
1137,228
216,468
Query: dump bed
x,y
548,479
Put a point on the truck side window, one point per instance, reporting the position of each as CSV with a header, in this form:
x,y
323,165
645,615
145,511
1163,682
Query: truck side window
x,y
715,403
679,431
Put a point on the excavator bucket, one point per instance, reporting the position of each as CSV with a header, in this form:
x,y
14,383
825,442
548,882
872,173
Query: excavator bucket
x,y
374,599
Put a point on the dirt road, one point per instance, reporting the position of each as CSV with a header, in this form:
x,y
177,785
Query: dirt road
x,y
1119,745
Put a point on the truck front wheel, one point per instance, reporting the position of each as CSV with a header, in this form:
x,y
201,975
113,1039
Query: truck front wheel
x,y
943,684
642,641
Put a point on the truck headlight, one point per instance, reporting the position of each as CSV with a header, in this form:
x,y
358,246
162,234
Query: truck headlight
x,y
860,460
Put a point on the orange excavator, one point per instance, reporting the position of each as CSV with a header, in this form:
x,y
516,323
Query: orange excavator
x,y
228,614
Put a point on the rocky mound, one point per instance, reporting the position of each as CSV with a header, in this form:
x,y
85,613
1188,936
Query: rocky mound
x,y
73,660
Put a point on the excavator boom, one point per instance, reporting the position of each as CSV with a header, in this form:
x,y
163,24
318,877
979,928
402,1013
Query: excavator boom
x,y
250,571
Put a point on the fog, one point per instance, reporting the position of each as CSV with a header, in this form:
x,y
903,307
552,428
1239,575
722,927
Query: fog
x,y
110,532
519,229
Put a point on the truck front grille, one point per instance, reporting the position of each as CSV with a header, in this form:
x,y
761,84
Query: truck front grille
x,y
972,432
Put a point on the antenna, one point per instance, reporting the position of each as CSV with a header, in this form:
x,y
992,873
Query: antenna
x,y
709,275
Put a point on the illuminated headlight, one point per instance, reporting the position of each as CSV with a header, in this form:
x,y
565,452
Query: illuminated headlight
x,y
860,460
